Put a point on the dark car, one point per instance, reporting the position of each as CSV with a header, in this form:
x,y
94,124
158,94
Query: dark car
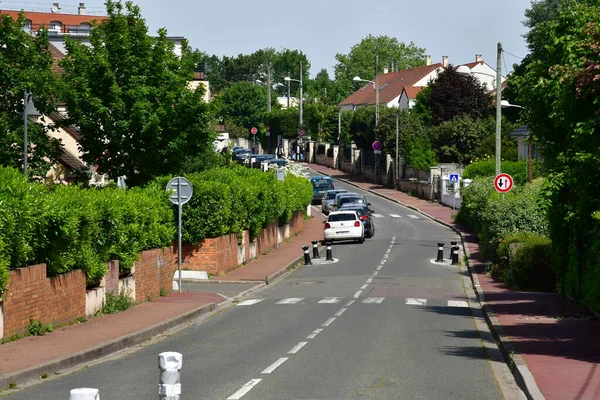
x,y
347,198
241,155
280,162
321,184
364,213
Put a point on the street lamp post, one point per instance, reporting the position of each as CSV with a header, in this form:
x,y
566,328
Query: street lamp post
x,y
464,70
29,110
288,79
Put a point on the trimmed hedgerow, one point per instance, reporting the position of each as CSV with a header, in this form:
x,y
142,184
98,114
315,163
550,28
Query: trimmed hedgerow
x,y
525,262
486,168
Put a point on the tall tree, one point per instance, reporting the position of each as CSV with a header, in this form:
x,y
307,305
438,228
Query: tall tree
x,y
287,63
360,61
453,94
128,92
25,65
559,90
242,106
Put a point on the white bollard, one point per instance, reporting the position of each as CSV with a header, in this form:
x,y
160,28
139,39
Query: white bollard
x,y
84,394
169,384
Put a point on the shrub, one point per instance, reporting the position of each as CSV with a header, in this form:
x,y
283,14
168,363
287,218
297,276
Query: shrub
x,y
525,261
485,168
475,199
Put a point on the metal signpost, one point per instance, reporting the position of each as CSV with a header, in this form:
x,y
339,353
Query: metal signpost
x,y
454,180
254,131
503,183
180,190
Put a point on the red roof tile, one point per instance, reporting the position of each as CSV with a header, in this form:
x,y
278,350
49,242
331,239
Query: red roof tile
x,y
390,85
412,91
57,55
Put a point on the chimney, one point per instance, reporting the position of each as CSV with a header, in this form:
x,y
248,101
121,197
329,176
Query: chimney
x,y
478,58
81,9
427,60
445,61
385,70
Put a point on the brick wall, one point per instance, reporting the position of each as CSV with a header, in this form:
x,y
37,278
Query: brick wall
x,y
345,165
153,272
30,294
267,238
213,255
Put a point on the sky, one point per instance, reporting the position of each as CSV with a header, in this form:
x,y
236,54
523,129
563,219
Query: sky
x,y
458,29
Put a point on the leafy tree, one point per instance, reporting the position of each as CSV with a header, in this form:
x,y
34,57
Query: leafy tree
x,y
362,127
360,61
25,65
287,63
422,107
418,153
243,105
128,93
283,122
559,89
461,139
453,94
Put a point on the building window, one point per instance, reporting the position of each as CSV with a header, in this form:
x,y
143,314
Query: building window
x,y
55,26
85,27
27,26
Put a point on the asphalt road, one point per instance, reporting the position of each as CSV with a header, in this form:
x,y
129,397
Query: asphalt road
x,y
383,322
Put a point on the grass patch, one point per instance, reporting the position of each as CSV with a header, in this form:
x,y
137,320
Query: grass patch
x,y
116,303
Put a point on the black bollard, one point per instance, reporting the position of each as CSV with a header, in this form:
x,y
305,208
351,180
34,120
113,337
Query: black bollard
x,y
440,253
455,255
329,252
315,249
306,256
452,244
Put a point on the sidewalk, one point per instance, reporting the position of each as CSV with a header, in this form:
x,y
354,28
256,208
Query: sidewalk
x,y
30,358
553,357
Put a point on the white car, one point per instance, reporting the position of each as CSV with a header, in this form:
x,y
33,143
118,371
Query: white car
x,y
344,225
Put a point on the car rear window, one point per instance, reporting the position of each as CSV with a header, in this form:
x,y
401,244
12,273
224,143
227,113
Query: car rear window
x,y
358,200
331,195
359,211
342,217
322,183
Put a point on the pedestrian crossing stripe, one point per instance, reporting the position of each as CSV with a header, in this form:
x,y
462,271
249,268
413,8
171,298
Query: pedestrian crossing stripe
x,y
410,301
395,216
413,216
377,215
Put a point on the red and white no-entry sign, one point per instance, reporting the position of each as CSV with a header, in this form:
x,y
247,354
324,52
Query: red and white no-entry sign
x,y
253,130
503,183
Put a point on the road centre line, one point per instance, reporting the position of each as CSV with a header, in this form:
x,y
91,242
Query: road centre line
x,y
297,347
363,287
350,303
393,238
369,280
357,294
375,273
385,256
388,251
379,268
276,364
328,322
314,334
245,389
340,312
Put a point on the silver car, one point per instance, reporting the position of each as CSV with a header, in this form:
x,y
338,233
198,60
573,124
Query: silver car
x,y
348,197
328,199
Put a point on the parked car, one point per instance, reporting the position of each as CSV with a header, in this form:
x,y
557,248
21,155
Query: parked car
x,y
344,225
321,184
241,155
365,215
328,199
235,148
280,162
349,197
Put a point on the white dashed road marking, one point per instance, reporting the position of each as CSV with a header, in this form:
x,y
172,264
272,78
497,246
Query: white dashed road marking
x,y
276,364
357,294
245,389
297,347
337,314
416,302
377,215
350,303
291,300
250,302
330,300
363,287
328,322
413,216
314,334
395,216
377,300
457,303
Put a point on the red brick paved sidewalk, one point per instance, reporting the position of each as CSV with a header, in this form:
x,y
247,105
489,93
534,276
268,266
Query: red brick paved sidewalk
x,y
29,358
559,357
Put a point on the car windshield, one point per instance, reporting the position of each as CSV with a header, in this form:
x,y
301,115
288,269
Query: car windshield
x,y
342,217
321,183
331,195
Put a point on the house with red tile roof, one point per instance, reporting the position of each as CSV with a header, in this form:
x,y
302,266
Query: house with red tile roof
x,y
400,88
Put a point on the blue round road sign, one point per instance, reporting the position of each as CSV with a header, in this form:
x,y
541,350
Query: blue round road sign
x,y
377,145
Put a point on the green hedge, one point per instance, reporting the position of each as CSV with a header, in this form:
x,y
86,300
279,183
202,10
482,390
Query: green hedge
x,y
525,262
491,217
233,199
68,227
485,168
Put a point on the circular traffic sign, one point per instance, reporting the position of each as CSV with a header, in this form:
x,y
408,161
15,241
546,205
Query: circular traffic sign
x,y
180,190
503,183
377,145
253,130
301,132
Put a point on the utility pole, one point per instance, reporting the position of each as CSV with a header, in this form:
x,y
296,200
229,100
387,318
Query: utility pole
x,y
300,114
288,99
498,107
376,113
269,88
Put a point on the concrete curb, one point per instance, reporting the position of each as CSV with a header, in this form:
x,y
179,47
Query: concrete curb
x,y
103,350
518,366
